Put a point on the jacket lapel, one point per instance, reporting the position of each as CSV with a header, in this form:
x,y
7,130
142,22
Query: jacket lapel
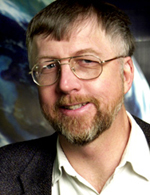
x,y
37,177
145,127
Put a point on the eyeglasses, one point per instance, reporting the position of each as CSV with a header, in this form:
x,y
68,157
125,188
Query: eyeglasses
x,y
85,67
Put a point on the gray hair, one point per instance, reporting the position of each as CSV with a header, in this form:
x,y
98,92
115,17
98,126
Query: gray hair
x,y
59,18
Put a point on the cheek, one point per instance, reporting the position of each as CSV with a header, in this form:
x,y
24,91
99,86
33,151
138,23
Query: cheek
x,y
47,95
97,89
106,90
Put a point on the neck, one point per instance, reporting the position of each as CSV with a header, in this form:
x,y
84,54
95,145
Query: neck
x,y
101,156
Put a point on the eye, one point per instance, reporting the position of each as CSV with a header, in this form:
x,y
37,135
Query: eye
x,y
51,65
87,62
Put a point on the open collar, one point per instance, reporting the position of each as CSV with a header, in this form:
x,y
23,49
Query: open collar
x,y
137,153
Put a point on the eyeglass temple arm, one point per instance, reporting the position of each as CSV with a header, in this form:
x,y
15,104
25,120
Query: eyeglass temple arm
x,y
104,61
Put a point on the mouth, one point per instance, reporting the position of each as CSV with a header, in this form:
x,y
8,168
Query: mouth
x,y
74,107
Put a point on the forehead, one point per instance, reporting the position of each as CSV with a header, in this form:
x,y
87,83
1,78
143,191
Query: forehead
x,y
88,36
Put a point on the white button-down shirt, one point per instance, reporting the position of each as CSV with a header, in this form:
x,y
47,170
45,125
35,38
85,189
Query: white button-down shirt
x,y
132,176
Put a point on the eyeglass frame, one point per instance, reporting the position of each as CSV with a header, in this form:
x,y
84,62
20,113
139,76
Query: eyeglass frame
x,y
58,60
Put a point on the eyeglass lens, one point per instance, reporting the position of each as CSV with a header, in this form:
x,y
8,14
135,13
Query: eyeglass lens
x,y
84,67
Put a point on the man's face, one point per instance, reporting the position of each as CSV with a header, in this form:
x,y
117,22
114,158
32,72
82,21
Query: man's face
x,y
81,109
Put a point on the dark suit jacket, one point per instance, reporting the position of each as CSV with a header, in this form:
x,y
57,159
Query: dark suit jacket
x,y
26,168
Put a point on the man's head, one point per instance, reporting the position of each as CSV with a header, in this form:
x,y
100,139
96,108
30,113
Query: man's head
x,y
81,108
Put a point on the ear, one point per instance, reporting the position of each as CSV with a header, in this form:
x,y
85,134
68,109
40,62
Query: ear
x,y
128,72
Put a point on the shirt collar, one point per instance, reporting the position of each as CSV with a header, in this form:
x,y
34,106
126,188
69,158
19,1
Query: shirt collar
x,y
137,153
61,162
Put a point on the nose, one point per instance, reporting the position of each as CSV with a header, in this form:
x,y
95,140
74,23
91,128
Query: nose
x,y
68,82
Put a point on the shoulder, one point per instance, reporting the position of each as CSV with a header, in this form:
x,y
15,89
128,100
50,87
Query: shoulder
x,y
25,162
33,145
145,127
18,155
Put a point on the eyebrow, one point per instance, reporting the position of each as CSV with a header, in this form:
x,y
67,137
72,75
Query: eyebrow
x,y
77,53
86,51
47,58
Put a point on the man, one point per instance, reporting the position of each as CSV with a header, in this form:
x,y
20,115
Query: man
x,y
80,58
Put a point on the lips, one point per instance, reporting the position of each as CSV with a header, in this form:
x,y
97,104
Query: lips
x,y
74,107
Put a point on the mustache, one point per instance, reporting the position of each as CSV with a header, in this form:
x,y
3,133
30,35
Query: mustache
x,y
75,99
